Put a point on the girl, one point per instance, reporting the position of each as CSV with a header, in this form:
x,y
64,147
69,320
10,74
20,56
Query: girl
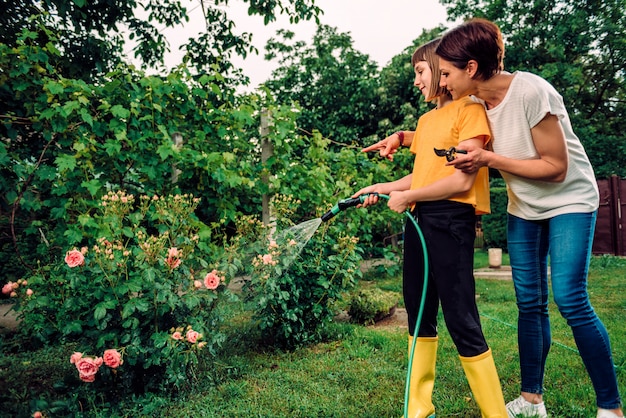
x,y
445,202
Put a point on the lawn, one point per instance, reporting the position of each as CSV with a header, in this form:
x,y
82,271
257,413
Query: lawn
x,y
358,372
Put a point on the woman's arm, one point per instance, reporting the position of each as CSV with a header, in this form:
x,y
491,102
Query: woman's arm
x,y
551,165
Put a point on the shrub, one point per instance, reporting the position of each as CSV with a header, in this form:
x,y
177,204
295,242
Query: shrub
x,y
371,304
298,276
494,224
141,299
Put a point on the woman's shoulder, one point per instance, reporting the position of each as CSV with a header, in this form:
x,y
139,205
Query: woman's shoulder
x,y
530,80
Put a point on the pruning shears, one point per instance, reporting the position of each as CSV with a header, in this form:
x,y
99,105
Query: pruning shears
x,y
450,153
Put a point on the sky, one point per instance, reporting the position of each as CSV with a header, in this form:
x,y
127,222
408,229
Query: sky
x,y
379,28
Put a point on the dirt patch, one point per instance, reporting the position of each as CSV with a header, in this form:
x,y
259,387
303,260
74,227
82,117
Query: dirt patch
x,y
398,319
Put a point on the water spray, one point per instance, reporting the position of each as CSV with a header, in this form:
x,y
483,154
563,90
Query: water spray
x,y
355,201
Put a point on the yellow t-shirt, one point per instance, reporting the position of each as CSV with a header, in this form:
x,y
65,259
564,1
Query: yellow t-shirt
x,y
443,128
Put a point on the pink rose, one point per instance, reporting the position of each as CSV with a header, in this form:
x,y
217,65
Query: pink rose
x,y
29,292
172,259
112,358
7,288
212,280
37,415
192,336
75,357
197,284
88,367
177,336
267,259
74,258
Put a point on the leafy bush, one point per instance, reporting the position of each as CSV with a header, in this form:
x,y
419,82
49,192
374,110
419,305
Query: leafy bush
x,y
141,298
371,304
298,276
494,224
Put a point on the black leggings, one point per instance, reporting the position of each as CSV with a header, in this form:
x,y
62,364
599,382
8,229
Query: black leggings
x,y
449,231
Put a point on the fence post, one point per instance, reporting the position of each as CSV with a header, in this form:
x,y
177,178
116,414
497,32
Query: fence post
x,y
267,149
177,139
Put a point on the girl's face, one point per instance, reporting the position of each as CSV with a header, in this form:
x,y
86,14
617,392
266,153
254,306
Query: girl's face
x,y
458,81
423,78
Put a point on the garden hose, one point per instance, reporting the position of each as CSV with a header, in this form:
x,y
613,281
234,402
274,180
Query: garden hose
x,y
351,202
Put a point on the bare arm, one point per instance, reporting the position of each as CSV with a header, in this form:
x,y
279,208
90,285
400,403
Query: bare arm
x,y
551,165
383,188
388,146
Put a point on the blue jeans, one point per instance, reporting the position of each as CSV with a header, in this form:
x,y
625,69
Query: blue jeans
x,y
567,240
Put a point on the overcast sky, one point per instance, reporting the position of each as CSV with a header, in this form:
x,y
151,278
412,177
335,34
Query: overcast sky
x,y
379,28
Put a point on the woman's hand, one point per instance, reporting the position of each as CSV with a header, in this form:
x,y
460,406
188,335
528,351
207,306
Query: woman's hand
x,y
469,163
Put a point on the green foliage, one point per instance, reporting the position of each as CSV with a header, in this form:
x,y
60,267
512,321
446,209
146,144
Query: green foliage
x,y
144,285
334,85
494,224
94,38
371,304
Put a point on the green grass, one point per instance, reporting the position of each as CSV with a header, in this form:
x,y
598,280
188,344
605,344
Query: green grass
x,y
360,371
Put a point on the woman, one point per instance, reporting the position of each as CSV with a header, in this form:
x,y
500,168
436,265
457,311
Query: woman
x,y
445,201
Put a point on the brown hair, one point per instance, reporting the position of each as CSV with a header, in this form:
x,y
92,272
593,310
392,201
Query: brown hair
x,y
426,52
477,39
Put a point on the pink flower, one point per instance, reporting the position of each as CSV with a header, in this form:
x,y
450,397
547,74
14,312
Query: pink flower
x,y
192,336
75,357
197,284
74,258
38,414
112,358
7,288
177,336
172,259
29,292
267,259
88,367
212,280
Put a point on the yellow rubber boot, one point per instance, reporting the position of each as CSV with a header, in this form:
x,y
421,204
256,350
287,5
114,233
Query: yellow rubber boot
x,y
422,379
483,380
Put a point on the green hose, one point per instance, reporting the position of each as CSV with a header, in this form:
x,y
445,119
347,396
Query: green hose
x,y
355,201
407,386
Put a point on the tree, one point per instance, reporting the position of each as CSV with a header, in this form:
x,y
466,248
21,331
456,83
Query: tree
x,y
580,47
335,86
91,31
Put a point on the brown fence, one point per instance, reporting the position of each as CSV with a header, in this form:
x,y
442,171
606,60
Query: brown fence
x,y
610,232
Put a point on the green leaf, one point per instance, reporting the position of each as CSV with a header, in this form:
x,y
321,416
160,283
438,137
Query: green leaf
x,y
54,87
65,162
92,186
120,112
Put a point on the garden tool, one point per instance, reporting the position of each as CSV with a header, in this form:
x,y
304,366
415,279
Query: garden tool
x,y
450,153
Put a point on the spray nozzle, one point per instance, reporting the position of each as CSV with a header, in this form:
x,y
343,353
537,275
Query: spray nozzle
x,y
342,205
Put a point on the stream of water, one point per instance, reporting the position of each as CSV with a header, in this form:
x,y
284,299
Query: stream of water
x,y
292,240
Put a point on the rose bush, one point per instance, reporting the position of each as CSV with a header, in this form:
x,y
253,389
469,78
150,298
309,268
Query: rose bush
x,y
140,271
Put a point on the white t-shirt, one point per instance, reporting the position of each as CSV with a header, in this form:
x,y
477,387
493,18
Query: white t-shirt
x,y
529,99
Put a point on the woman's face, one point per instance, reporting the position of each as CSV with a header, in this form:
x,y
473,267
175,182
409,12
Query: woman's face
x,y
458,81
423,78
